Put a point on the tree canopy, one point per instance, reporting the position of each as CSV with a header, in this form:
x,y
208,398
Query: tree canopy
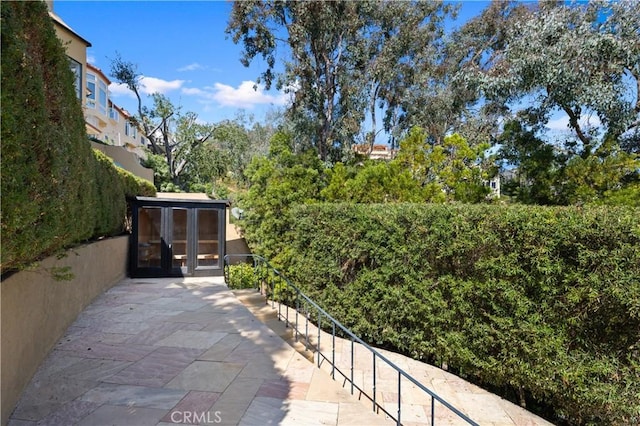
x,y
342,58
579,59
456,106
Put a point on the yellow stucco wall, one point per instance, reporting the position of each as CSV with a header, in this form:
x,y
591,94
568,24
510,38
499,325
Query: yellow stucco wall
x,y
75,46
127,160
36,309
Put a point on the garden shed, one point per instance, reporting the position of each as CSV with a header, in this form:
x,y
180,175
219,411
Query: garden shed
x,y
176,237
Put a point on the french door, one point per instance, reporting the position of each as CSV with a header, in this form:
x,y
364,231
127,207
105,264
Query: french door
x,y
177,241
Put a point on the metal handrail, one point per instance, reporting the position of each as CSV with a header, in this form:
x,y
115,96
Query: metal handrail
x,y
258,262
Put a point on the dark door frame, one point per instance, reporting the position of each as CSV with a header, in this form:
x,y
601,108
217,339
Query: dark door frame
x,y
166,268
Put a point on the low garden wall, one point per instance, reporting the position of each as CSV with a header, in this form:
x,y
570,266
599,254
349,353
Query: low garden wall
x,y
40,303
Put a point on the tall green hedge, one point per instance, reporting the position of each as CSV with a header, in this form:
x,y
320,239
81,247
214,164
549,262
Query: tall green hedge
x,y
55,190
542,302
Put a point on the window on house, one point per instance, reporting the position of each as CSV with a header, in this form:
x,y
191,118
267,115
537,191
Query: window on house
x,y
91,90
76,68
113,114
102,97
130,130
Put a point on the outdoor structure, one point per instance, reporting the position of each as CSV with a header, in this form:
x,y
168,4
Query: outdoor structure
x,y
177,237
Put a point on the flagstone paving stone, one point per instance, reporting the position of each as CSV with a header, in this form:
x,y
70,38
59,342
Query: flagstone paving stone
x,y
187,351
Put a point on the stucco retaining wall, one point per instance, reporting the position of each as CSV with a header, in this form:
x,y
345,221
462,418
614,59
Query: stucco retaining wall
x,y
36,309
125,159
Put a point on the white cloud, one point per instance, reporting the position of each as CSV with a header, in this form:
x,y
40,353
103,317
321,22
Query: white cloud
x,y
91,59
120,89
244,96
192,67
148,85
151,85
195,92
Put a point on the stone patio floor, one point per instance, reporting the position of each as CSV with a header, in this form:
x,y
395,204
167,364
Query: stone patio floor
x,y
167,351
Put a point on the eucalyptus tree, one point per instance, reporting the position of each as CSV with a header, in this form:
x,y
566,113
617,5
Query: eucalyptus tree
x,y
399,50
472,50
527,63
342,58
317,35
580,59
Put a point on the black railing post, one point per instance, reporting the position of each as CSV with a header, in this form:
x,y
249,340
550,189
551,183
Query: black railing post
x,y
374,383
433,411
352,366
333,350
306,329
399,399
319,330
297,309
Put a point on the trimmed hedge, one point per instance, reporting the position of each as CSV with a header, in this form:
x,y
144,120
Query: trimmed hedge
x,y
55,191
541,304
113,184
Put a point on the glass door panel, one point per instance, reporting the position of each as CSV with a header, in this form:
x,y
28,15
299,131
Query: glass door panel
x,y
149,237
179,244
208,255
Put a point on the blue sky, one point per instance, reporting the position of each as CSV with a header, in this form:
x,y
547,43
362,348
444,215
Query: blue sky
x,y
181,49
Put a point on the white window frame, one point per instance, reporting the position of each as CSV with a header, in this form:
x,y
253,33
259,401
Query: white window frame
x,y
103,97
113,114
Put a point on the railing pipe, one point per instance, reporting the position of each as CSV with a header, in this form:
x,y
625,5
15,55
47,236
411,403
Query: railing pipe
x,y
306,329
297,309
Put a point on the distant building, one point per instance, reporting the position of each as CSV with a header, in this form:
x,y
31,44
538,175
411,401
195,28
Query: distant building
x,y
104,120
494,185
377,152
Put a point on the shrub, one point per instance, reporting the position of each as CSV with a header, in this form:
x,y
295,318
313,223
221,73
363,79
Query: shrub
x,y
242,275
544,302
55,191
